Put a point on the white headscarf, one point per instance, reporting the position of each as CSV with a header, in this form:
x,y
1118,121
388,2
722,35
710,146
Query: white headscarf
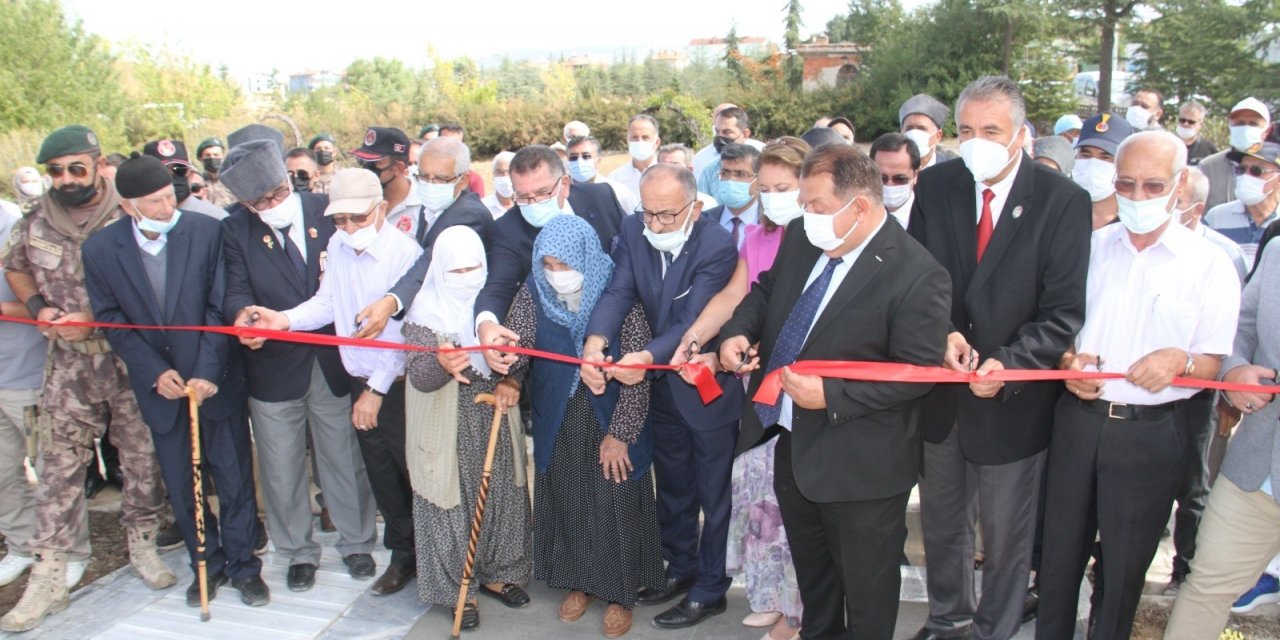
x,y
446,301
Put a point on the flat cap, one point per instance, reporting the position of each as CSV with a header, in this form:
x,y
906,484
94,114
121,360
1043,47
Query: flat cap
x,y
253,169
926,105
353,191
69,140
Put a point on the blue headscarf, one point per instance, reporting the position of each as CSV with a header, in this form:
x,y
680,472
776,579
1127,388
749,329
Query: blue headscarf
x,y
574,242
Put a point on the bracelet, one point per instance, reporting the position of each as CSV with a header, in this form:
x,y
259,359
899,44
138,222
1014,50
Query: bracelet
x,y
1191,366
35,304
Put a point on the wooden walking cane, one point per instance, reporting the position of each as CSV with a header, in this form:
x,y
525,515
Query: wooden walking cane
x,y
197,484
469,565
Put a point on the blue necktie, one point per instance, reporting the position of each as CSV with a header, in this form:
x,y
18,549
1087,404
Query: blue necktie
x,y
794,331
294,255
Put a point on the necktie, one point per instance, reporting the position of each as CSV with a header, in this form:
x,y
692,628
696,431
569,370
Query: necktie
x,y
985,223
737,230
794,331
667,259
294,255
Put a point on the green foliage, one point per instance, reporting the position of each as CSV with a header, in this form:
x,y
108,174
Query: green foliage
x,y
794,65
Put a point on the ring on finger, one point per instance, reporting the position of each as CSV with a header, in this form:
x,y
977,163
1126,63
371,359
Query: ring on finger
x,y
1248,406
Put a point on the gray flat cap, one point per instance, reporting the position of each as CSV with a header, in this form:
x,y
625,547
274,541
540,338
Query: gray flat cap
x,y
255,132
252,169
927,105
1057,149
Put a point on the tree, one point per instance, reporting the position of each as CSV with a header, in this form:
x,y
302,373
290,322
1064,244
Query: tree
x,y
867,21
1105,17
733,55
791,40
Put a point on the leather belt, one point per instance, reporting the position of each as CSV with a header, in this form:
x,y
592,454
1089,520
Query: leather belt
x,y
1121,411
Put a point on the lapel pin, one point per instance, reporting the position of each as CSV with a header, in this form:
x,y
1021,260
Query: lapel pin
x,y
268,241
312,232
878,259
1017,212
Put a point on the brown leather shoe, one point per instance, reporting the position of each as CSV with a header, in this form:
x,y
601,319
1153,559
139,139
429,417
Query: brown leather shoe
x,y
617,621
574,606
393,579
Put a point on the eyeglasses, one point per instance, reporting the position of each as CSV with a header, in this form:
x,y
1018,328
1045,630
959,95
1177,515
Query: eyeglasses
x,y
1188,122
898,180
574,157
197,187
270,200
300,175
342,220
1253,170
663,217
739,176
538,197
77,169
437,179
1127,187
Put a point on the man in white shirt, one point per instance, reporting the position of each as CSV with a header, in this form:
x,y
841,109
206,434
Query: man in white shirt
x,y
584,163
898,158
1160,303
499,202
366,256
642,145
1191,214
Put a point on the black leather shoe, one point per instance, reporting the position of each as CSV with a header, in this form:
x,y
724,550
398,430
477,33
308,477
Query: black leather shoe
x,y
675,587
170,537
926,634
301,576
93,483
511,595
470,616
214,581
394,579
360,565
687,613
260,541
253,591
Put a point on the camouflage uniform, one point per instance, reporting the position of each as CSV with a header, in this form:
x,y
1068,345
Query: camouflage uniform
x,y
321,183
219,195
85,388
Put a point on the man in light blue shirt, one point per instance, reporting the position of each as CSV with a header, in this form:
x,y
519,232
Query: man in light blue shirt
x,y
738,191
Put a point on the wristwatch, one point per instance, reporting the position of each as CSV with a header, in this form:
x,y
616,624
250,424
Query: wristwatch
x,y
1191,366
374,391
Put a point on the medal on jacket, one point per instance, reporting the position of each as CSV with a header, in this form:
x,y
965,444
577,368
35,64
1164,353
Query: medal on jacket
x,y
312,232
1017,212
271,244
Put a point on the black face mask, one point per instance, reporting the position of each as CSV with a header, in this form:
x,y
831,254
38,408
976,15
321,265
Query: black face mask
x,y
74,196
324,158
721,141
181,188
212,165
302,182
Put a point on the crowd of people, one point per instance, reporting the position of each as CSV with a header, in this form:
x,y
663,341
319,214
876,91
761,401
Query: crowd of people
x,y
1111,245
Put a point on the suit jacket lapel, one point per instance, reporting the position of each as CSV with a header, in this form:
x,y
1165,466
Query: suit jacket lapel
x,y
178,250
964,223
1007,227
668,286
860,274
135,272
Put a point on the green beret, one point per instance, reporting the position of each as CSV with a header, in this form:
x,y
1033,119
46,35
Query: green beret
x,y
206,143
70,140
322,137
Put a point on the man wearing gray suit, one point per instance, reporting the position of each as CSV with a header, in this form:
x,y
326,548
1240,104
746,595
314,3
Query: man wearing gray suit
x,y
1239,532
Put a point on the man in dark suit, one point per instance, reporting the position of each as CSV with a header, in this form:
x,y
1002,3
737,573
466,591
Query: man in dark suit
x,y
442,186
160,267
1014,235
275,249
848,452
541,190
672,260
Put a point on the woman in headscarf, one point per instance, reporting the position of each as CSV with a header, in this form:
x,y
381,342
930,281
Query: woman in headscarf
x,y
448,434
758,549
595,516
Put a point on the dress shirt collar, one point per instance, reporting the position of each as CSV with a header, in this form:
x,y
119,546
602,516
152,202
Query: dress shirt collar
x,y
152,247
1176,239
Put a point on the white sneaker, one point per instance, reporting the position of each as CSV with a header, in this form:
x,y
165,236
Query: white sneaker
x,y
75,571
12,566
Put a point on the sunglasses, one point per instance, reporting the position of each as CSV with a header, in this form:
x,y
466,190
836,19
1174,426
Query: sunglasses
x,y
897,180
197,188
1253,170
1127,187
77,169
180,170
342,220
574,157
1187,122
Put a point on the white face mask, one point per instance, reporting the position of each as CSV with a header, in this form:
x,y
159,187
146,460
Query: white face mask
x,y
1245,136
1251,190
1145,216
923,140
984,158
1138,117
361,239
435,197
640,150
781,207
1185,133
155,226
896,195
820,228
670,241
466,285
565,282
31,189
502,186
1097,176
283,214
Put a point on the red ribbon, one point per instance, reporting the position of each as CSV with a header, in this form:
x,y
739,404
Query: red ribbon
x,y
704,380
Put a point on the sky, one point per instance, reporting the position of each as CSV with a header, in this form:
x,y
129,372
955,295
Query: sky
x,y
256,36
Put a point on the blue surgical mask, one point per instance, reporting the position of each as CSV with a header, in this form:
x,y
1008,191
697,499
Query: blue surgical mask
x,y
155,226
538,214
582,170
734,194
436,197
